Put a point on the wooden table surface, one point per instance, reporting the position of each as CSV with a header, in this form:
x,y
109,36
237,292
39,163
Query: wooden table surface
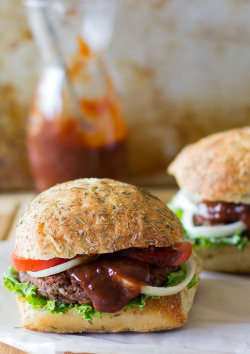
x,y
11,206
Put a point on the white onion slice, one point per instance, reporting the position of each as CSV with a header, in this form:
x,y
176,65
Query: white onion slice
x,y
186,200
171,290
59,268
210,231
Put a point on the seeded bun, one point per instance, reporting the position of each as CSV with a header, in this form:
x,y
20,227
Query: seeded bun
x,y
216,167
164,313
93,216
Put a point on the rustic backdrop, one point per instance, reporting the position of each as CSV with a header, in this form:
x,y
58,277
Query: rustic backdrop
x,y
181,67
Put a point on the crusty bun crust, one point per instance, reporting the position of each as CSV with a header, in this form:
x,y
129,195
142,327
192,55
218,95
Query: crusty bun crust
x,y
90,216
164,313
216,167
159,314
225,259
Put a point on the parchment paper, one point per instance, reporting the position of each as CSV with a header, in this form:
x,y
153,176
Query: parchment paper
x,y
219,322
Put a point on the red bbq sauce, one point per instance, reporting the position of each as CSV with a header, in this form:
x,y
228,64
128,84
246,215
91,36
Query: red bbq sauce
x,y
211,213
104,280
60,151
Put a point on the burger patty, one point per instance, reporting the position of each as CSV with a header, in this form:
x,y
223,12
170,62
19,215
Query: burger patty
x,y
65,289
59,287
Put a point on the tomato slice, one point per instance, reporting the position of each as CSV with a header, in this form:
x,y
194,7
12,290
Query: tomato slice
x,y
186,250
161,256
25,264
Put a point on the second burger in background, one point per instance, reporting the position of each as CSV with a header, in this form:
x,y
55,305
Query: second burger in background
x,y
213,203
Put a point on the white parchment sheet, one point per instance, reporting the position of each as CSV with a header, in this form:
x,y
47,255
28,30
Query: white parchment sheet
x,y
219,322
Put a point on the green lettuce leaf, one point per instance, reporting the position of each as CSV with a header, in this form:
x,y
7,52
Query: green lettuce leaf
x,y
12,283
140,301
193,282
86,311
237,240
214,242
176,278
178,212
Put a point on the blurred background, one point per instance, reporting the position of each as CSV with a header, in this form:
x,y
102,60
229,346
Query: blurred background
x,y
181,70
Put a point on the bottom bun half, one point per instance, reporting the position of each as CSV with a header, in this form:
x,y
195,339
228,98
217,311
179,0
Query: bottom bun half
x,y
164,313
225,259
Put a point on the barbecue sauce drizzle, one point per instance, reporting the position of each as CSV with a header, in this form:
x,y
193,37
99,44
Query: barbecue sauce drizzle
x,y
111,281
211,213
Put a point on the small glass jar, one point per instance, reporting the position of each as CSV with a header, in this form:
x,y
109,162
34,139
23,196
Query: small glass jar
x,y
76,127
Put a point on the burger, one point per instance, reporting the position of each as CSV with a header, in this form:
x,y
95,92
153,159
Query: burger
x,y
98,255
213,203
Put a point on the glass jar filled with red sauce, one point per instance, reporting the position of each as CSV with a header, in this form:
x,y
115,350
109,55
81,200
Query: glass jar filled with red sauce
x,y
76,127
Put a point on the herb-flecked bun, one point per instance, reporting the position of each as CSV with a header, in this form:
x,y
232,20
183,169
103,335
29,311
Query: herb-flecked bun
x,y
160,314
216,167
225,259
94,216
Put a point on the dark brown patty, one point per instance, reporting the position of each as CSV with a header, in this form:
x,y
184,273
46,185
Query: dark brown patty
x,y
65,289
58,287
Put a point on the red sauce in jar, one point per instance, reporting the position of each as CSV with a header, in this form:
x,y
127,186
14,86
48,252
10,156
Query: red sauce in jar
x,y
60,150
63,147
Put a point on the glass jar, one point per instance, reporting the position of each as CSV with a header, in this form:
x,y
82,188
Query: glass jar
x,y
76,128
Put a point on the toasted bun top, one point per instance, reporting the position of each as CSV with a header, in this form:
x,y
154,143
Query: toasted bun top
x,y
216,167
90,216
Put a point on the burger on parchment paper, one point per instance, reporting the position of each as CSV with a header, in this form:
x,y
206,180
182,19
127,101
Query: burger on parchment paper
x,y
214,200
97,255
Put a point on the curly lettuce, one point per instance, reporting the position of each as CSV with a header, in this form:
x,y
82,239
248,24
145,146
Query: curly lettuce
x,y
215,242
176,278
